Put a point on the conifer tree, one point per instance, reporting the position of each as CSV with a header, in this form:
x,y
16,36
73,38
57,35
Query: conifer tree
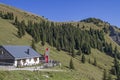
x,y
73,52
116,64
71,64
16,21
86,48
109,77
58,46
43,38
1,14
62,43
79,52
117,67
95,62
12,16
89,61
83,59
19,32
23,27
105,75
33,45
116,52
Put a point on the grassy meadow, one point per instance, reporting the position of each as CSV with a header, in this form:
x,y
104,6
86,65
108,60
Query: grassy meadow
x,y
87,71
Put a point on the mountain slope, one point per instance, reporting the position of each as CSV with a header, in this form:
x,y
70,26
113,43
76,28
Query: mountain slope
x,y
21,14
9,36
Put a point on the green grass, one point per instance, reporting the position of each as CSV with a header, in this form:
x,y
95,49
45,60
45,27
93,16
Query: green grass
x,y
8,36
20,13
109,40
27,75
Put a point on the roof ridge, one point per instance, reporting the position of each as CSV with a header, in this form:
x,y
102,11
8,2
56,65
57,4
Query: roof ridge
x,y
20,51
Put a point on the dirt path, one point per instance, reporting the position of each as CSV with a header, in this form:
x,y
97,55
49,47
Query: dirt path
x,y
36,69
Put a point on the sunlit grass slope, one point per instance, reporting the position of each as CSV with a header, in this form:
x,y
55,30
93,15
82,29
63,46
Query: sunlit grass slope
x,y
8,36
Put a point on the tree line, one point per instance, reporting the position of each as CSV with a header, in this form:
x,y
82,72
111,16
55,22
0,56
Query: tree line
x,y
7,15
116,67
65,36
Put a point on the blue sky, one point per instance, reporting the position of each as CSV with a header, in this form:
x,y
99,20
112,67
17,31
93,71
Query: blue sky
x,y
71,10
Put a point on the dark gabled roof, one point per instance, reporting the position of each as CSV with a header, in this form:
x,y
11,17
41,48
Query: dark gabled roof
x,y
21,52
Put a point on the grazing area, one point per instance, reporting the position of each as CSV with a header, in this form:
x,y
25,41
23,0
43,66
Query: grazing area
x,y
84,49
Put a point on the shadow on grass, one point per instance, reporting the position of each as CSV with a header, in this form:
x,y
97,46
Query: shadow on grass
x,y
67,67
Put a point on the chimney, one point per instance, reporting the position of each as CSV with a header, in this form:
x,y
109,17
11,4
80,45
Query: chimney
x,y
28,51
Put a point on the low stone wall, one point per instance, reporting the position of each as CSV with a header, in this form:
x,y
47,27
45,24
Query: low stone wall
x,y
6,67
